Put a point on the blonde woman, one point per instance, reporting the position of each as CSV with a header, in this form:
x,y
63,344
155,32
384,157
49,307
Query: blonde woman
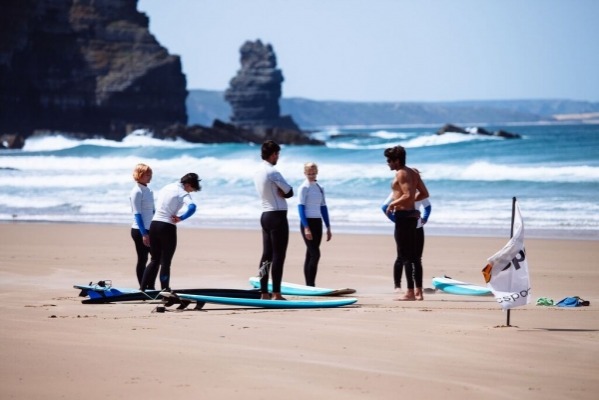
x,y
313,211
141,198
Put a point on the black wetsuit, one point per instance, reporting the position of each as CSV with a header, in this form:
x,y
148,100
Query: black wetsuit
x,y
398,266
407,246
312,249
273,191
275,238
163,239
142,254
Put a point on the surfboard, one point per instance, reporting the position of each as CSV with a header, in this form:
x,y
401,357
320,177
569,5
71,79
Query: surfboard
x,y
97,290
102,294
293,289
454,286
279,304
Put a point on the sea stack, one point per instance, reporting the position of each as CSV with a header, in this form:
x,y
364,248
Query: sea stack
x,y
255,91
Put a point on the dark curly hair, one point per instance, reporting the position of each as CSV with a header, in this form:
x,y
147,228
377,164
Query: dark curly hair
x,y
397,153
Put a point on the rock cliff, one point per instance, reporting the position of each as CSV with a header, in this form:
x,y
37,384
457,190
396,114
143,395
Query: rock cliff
x,y
88,67
477,130
254,95
255,91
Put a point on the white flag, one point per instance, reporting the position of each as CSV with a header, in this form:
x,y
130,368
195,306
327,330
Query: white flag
x,y
506,273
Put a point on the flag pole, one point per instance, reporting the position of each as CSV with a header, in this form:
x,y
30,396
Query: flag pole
x,y
511,236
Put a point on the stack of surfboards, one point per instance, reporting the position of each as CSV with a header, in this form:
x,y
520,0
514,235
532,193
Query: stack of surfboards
x,y
105,293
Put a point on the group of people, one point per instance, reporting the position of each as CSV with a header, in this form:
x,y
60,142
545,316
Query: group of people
x,y
154,228
274,192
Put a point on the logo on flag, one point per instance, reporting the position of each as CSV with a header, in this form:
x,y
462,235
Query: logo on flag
x,y
506,273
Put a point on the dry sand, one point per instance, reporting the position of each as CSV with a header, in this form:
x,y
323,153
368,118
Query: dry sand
x,y
450,347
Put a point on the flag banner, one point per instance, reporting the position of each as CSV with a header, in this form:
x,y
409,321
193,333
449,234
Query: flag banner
x,y
506,273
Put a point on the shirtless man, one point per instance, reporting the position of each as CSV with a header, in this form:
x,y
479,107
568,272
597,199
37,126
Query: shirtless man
x,y
407,188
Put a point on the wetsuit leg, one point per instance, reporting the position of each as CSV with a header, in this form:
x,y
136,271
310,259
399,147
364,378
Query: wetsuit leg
x,y
397,270
275,238
142,254
168,241
267,250
312,250
151,271
405,239
418,270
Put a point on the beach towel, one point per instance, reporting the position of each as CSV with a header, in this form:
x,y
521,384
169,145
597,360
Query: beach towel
x,y
544,301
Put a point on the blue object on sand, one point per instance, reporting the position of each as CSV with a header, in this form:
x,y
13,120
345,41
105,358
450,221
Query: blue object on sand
x,y
574,301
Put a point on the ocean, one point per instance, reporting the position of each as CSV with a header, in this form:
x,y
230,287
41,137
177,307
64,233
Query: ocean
x,y
553,171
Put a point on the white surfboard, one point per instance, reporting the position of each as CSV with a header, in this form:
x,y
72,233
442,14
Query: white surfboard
x,y
294,289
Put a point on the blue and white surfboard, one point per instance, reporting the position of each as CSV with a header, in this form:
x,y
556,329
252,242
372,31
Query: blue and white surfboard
x,y
280,304
454,286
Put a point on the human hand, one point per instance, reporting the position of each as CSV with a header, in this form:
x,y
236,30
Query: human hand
x,y
308,233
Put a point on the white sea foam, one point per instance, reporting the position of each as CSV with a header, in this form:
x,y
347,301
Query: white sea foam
x,y
441,140
387,135
91,182
485,171
61,142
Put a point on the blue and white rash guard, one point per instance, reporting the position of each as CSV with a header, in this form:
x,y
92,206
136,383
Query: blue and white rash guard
x,y
142,207
312,203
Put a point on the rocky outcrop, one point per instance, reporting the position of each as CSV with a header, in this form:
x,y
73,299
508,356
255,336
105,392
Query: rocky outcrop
x,y
255,91
11,141
223,132
85,67
90,68
477,131
254,95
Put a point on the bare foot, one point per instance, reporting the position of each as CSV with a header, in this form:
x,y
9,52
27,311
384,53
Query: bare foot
x,y
409,296
265,296
277,296
418,294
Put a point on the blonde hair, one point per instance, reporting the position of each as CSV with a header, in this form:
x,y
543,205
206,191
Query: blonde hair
x,y
140,170
310,165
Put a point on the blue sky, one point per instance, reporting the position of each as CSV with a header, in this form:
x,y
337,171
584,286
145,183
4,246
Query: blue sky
x,y
392,50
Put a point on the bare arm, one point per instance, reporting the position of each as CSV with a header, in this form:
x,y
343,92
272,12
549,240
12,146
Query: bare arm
x,y
421,188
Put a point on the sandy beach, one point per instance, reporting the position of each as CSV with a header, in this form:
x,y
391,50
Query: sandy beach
x,y
453,347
